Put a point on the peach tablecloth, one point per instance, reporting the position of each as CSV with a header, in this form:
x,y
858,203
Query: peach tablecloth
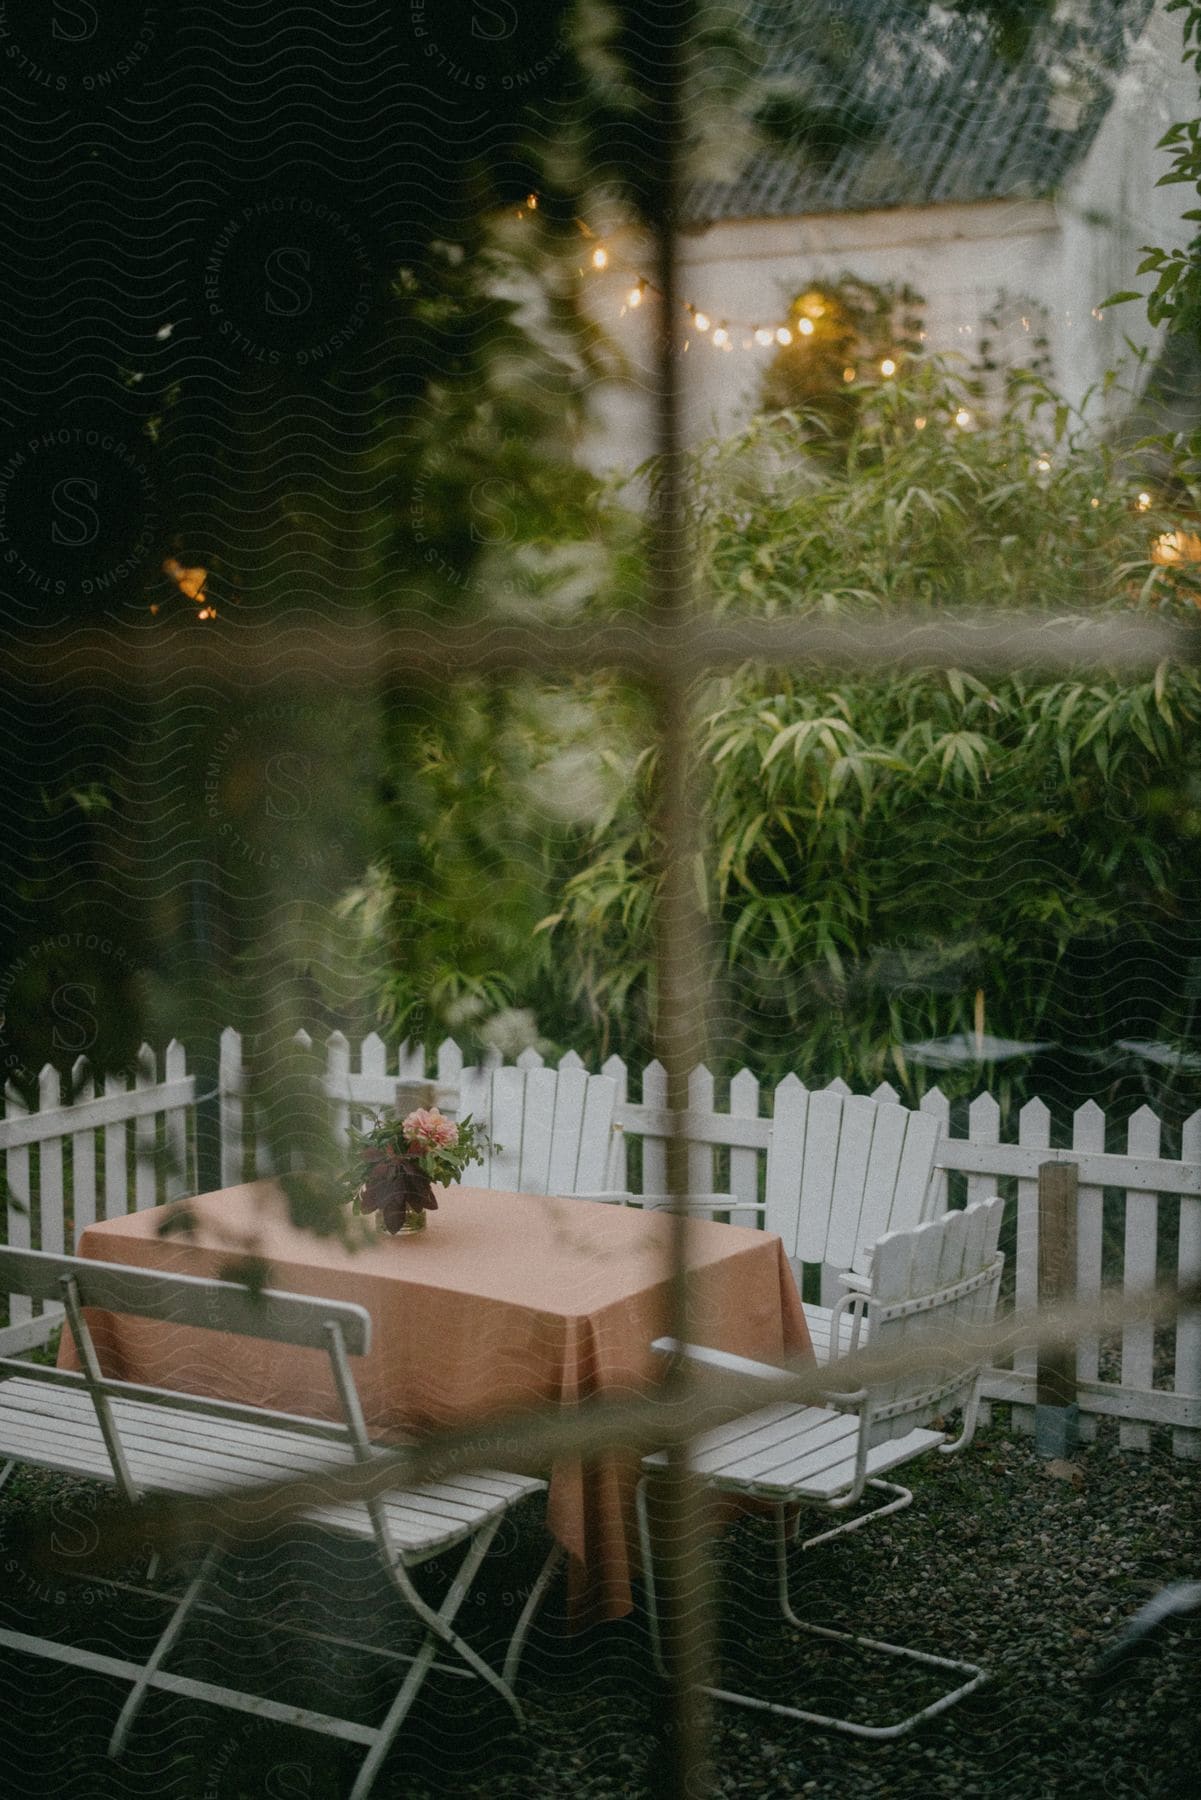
x,y
505,1300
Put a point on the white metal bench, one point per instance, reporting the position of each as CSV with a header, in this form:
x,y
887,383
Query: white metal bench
x,y
144,1441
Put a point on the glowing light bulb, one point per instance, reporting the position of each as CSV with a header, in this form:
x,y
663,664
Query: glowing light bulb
x,y
783,335
600,257
1143,501
703,321
805,327
1094,501
764,336
919,424
848,374
531,201
963,417
888,367
1043,465
634,297
721,337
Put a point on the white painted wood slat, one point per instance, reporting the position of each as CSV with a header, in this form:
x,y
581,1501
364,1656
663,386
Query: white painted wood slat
x,y
850,1180
567,1128
1088,1134
888,1143
744,1164
984,1127
1139,1267
475,1100
1188,1271
700,1155
1034,1133
145,1160
654,1150
596,1132
229,1083
822,1128
935,1107
508,1119
541,1088
617,1178
19,1220
83,1155
785,1162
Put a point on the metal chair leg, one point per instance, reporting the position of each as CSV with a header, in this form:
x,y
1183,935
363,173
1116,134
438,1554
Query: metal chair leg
x,y
648,1573
521,1629
154,1662
438,1631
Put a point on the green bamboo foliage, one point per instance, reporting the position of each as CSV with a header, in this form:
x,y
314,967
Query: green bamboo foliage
x,y
889,857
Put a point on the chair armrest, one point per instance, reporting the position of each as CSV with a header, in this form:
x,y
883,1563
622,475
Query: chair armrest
x,y
695,1202
858,1284
723,1360
857,1305
661,1202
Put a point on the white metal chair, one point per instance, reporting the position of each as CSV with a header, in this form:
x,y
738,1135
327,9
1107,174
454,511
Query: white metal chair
x,y
841,1171
553,1130
934,1285
145,1440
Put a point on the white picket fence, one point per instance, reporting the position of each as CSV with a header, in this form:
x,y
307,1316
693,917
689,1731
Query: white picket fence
x,y
109,1174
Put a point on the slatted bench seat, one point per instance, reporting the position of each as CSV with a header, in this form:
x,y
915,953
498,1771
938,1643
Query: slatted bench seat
x,y
149,1441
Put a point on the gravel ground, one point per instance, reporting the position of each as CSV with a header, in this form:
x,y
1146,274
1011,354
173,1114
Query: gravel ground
x,y
1031,1572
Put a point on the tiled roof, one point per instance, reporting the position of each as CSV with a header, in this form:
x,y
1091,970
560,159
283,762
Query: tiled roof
x,y
911,103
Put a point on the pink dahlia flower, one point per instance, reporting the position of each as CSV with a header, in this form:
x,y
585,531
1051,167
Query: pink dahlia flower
x,y
427,1130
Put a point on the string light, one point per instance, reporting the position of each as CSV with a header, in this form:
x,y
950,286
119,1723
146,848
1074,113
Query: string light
x,y
1094,501
1143,501
1043,465
749,333
919,424
963,418
848,374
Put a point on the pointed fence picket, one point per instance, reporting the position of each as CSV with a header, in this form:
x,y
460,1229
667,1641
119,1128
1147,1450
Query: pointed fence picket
x,y
74,1158
54,1154
1088,1134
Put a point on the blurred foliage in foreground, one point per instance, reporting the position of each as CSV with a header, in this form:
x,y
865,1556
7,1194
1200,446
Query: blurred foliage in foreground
x,y
889,859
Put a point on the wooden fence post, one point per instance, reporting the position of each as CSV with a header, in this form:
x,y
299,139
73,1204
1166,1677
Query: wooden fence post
x,y
1056,1415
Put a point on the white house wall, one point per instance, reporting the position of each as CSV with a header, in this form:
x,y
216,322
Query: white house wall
x,y
1113,207
960,258
1064,257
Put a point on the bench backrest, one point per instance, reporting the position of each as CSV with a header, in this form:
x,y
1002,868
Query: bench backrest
x,y
554,1129
842,1170
191,1300
933,1286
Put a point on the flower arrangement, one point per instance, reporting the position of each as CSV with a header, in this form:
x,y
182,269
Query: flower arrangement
x,y
397,1161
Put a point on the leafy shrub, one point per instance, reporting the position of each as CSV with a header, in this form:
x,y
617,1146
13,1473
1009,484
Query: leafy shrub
x,y
889,857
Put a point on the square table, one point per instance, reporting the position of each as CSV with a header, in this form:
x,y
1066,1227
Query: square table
x,y
504,1301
